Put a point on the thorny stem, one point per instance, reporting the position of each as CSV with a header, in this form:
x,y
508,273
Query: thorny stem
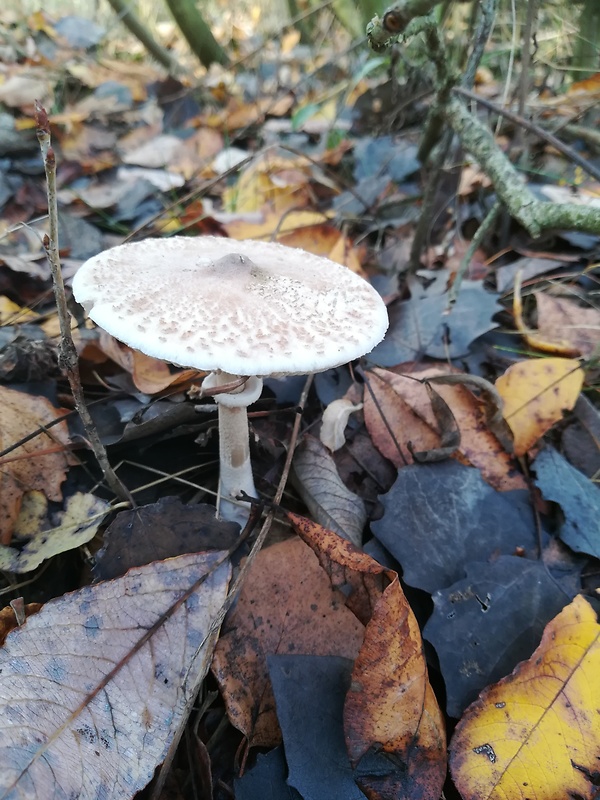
x,y
67,354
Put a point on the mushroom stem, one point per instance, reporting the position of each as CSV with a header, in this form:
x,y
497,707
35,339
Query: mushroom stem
x,y
234,445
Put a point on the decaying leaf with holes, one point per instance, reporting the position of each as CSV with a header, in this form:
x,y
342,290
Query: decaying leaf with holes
x,y
103,676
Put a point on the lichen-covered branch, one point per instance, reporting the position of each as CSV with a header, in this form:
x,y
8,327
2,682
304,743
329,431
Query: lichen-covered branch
x,y
511,190
534,215
383,31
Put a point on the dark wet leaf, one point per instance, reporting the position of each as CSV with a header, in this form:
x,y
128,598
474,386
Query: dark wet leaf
x,y
385,155
419,327
266,780
578,497
483,625
309,694
438,517
162,530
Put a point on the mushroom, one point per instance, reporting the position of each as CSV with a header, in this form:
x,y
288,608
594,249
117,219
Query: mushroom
x,y
239,309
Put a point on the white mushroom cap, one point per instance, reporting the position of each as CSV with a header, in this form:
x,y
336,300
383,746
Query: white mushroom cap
x,y
244,307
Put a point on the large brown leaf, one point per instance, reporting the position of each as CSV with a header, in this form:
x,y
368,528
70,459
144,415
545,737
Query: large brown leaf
x,y
94,686
286,605
390,705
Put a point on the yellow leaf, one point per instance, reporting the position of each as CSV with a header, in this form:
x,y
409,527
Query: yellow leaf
x,y
535,394
271,180
11,313
271,223
536,734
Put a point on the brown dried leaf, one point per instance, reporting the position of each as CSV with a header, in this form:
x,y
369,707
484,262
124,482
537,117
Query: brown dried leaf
x,y
407,408
39,464
150,375
390,704
563,320
286,605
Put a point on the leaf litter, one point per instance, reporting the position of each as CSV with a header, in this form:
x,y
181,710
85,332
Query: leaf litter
x,y
426,474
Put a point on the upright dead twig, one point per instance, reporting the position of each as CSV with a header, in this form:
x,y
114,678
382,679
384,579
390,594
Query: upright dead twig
x,y
67,354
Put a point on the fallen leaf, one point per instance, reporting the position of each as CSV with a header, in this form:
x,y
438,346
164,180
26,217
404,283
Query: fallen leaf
x,y
438,517
21,90
537,732
309,693
561,319
398,404
535,339
40,463
268,224
8,619
75,526
266,780
390,706
578,498
11,313
150,375
161,530
335,419
278,182
317,480
494,631
104,676
535,394
286,604
419,326
325,240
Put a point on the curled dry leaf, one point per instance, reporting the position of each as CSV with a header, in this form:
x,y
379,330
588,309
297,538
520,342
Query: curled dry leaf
x,y
103,677
286,604
40,463
150,375
537,732
535,394
335,419
390,704
404,402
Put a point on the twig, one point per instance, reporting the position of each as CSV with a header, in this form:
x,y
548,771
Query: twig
x,y
67,354
568,152
477,239
534,215
482,34
525,78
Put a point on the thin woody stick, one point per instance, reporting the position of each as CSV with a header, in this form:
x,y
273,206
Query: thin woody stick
x,y
67,354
